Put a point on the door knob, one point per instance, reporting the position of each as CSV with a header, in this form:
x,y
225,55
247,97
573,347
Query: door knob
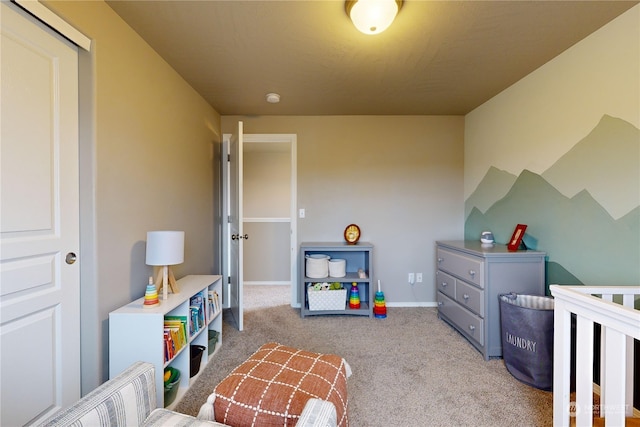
x,y
238,237
70,258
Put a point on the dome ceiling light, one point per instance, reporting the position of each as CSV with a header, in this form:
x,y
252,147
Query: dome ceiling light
x,y
372,16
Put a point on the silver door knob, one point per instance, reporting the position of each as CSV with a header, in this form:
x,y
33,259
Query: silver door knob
x,y
70,258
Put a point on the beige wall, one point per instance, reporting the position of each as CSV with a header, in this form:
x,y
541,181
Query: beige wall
x,y
267,255
148,162
267,184
398,177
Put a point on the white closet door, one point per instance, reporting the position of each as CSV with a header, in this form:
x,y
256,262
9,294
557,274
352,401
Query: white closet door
x,y
39,225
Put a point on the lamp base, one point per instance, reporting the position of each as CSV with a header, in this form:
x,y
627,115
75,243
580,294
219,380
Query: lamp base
x,y
171,279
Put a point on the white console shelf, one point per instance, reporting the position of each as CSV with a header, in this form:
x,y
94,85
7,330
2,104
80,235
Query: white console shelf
x,y
137,333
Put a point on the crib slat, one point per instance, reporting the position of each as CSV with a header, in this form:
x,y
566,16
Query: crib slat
x,y
628,301
584,371
629,378
561,363
614,411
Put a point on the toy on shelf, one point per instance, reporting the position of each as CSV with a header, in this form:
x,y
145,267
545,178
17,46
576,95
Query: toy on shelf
x,y
354,296
151,295
379,307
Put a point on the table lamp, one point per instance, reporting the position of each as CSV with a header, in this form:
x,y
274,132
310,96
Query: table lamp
x,y
164,249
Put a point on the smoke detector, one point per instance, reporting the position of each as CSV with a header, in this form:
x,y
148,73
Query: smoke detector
x,y
273,98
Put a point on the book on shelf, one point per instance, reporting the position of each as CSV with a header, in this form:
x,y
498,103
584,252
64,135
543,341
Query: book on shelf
x,y
175,335
197,312
213,303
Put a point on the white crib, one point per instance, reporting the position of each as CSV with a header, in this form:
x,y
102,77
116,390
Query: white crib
x,y
613,308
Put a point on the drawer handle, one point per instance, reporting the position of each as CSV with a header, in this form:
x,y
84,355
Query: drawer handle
x,y
472,273
440,260
444,284
440,303
465,296
472,328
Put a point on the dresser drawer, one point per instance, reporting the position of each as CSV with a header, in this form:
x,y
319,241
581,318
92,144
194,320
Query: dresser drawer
x,y
467,268
466,322
446,284
470,297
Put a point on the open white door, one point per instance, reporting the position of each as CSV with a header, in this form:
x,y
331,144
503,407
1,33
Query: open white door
x,y
39,221
236,234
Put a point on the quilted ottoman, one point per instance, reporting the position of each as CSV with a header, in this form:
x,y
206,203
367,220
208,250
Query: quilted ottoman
x,y
273,385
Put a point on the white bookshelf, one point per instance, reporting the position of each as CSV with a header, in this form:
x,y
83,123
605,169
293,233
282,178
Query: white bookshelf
x,y
137,333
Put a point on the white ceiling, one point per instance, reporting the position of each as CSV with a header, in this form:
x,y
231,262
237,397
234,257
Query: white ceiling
x,y
438,57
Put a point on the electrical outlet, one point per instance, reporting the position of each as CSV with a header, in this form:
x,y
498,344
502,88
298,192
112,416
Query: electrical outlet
x,y
411,278
419,277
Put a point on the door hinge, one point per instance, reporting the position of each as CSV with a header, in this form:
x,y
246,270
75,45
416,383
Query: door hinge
x,y
229,279
229,220
228,157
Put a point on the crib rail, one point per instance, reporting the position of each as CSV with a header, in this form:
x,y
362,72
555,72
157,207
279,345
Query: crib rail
x,y
612,308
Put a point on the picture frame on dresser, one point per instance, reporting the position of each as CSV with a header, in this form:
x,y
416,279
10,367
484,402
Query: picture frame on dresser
x,y
516,238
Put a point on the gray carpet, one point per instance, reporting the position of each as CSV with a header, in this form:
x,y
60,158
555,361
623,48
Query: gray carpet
x,y
410,369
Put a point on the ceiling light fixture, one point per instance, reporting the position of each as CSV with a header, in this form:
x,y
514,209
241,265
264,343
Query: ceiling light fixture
x,y
372,16
273,98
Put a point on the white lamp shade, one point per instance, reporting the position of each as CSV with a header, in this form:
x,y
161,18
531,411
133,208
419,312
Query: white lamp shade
x,y
165,247
373,16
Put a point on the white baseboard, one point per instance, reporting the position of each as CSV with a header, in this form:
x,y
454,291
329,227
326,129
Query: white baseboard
x,y
411,304
266,283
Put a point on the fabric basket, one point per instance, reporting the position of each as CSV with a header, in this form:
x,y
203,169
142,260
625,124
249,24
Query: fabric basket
x,y
527,338
327,300
317,266
337,267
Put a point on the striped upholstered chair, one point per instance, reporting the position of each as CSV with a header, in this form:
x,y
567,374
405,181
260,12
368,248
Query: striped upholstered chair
x,y
129,400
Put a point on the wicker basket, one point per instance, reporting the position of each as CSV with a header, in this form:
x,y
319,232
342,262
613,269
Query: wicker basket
x,y
327,300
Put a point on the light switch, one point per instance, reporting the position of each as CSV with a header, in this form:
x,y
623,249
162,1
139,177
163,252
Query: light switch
x,y
301,213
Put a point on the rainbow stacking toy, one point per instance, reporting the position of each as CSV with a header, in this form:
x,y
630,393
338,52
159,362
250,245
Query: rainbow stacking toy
x,y
151,295
379,307
354,296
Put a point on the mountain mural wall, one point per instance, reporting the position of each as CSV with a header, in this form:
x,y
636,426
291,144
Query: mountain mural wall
x,y
585,242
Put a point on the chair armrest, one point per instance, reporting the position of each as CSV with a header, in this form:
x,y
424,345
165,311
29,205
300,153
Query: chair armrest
x,y
318,413
132,392
164,417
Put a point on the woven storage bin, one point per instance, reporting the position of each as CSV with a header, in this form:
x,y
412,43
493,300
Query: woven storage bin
x,y
317,266
337,267
327,300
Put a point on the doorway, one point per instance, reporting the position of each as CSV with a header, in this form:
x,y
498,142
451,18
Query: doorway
x,y
269,206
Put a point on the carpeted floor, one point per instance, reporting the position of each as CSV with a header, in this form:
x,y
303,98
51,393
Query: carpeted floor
x,y
410,369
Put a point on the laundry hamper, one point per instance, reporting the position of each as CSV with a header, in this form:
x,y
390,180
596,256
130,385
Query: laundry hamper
x,y
527,338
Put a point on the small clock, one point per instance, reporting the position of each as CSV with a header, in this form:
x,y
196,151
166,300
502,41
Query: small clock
x,y
352,234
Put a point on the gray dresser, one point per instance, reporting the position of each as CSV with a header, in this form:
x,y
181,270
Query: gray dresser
x,y
469,278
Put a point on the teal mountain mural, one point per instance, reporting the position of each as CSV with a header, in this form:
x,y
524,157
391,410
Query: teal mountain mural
x,y
585,244
606,163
